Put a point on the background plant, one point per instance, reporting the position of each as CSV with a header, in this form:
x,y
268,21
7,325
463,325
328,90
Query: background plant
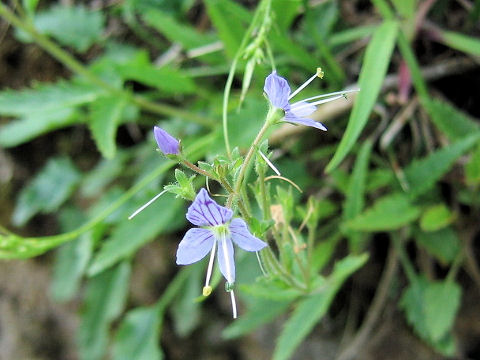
x,y
405,171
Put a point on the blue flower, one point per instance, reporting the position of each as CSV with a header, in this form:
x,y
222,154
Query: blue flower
x,y
166,142
216,229
279,94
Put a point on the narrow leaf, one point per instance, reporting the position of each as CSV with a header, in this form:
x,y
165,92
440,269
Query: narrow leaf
x,y
436,217
377,58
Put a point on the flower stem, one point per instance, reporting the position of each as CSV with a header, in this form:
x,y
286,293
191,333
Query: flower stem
x,y
248,157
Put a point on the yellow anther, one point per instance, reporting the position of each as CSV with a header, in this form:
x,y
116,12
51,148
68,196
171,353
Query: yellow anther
x,y
320,73
207,290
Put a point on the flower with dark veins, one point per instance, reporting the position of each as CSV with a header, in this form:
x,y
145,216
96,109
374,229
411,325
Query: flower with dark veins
x,y
166,142
279,94
216,229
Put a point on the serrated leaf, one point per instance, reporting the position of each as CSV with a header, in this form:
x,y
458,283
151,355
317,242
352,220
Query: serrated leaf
x,y
444,244
374,69
436,217
104,300
105,117
450,120
37,123
422,174
43,98
130,235
442,300
74,26
47,191
431,310
137,336
388,213
310,310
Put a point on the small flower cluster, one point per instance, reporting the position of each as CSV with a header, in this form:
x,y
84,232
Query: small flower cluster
x,y
216,227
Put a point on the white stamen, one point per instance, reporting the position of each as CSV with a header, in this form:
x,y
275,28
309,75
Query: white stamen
x,y
302,86
210,264
332,94
234,304
146,205
260,263
269,163
295,106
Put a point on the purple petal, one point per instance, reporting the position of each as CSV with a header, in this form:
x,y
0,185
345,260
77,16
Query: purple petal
x,y
291,118
302,109
243,238
206,212
194,246
226,260
166,142
277,90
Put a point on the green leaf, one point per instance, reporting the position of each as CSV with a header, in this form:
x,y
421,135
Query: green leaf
x,y
165,78
421,175
444,244
104,301
185,310
43,98
450,120
467,44
436,217
71,258
388,213
130,235
105,117
261,312
74,26
377,58
47,191
175,31
37,123
472,168
431,308
138,335
226,17
94,183
30,6
355,196
268,289
311,309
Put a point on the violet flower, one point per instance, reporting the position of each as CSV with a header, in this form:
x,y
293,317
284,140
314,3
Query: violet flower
x,y
166,142
278,93
215,226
